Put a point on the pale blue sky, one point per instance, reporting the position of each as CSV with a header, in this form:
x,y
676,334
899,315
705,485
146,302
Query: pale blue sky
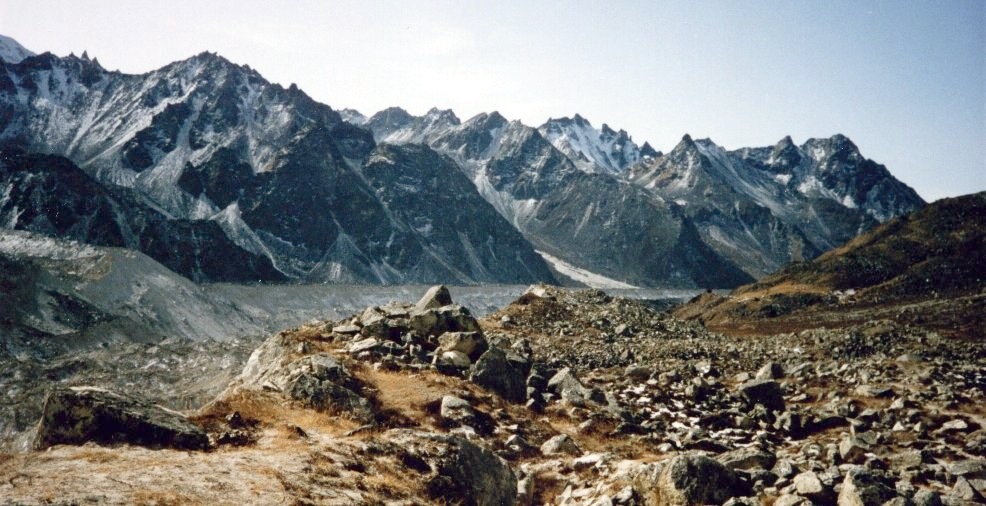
x,y
905,80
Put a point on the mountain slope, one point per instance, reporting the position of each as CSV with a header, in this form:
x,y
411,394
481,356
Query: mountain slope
x,y
592,221
50,195
931,263
205,140
11,51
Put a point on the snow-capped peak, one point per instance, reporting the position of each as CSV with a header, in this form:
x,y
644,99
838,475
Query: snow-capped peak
x,y
11,51
592,150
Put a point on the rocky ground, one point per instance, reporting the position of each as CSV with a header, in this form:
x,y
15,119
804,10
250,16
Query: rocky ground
x,y
563,397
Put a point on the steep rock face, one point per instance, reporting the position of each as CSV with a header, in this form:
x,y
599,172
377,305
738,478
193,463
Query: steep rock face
x,y
425,192
591,220
212,144
763,207
50,195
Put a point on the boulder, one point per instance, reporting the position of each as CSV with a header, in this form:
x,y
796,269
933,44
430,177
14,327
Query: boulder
x,y
565,384
435,297
321,382
765,392
437,321
503,372
459,472
748,458
693,479
472,344
808,484
853,449
863,487
562,443
77,415
770,370
451,362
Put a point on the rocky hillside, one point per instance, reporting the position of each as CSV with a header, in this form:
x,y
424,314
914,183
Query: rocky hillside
x,y
207,144
51,195
560,398
928,267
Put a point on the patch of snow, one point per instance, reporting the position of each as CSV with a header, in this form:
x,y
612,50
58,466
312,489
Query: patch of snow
x,y
681,202
849,202
583,276
783,179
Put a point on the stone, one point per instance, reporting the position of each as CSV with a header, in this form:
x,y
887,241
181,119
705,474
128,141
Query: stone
x,y
321,382
637,372
77,415
456,409
454,359
770,370
964,491
562,443
437,321
791,500
368,344
457,469
747,458
348,329
765,392
564,382
503,372
694,479
969,468
925,497
472,344
863,487
853,449
809,484
436,297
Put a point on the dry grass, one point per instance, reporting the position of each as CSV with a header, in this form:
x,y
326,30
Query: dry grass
x,y
268,409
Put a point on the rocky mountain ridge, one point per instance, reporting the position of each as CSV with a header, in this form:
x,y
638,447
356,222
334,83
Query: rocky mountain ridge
x,y
213,143
755,208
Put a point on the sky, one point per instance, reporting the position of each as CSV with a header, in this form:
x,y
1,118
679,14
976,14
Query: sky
x,y
905,80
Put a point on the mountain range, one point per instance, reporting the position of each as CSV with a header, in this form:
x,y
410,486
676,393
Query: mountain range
x,y
221,175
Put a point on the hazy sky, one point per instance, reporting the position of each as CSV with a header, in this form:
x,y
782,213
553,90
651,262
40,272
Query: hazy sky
x,y
905,80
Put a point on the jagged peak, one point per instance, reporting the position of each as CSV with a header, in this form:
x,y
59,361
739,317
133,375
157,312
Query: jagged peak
x,y
648,150
443,114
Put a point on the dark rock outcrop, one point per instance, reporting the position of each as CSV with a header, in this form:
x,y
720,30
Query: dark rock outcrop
x,y
79,415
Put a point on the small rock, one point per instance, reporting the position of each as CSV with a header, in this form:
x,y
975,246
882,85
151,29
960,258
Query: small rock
x,y
561,443
436,297
765,392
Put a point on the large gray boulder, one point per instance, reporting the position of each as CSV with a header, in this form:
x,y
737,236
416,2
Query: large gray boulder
x,y
693,479
77,415
437,321
459,472
503,372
